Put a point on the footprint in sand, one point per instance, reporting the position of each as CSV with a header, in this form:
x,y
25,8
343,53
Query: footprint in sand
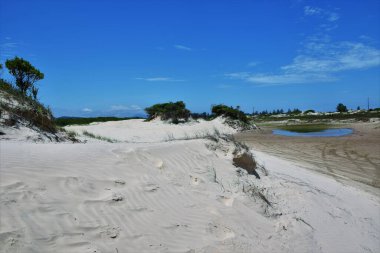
x,y
219,231
110,232
195,180
151,187
117,197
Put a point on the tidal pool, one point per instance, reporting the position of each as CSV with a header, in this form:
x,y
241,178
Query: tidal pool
x,y
332,132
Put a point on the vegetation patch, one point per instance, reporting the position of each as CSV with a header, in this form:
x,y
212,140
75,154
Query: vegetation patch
x,y
99,137
169,111
25,93
230,112
65,121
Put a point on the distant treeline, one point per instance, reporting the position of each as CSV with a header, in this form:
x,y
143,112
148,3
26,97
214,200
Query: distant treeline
x,y
64,121
361,115
279,111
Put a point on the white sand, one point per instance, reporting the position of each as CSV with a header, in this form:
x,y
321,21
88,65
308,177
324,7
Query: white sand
x,y
137,130
165,197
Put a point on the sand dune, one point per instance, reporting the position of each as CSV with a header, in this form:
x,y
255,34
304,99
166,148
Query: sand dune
x,y
177,196
137,130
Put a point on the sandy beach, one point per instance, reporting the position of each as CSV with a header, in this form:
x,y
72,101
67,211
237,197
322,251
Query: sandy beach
x,y
172,196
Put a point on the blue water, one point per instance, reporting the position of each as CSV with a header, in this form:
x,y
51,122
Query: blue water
x,y
334,132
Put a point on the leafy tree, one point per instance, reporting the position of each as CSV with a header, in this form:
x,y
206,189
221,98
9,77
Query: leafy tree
x,y
341,108
24,73
219,110
296,111
34,92
309,111
173,111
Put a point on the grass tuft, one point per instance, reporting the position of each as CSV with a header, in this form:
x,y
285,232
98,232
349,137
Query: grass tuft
x,y
99,137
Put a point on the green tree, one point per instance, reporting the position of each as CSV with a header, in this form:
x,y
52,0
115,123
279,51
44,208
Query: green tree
x,y
341,108
24,73
219,110
172,111
34,92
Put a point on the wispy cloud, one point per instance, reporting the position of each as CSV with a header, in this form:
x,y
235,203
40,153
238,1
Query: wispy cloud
x,y
253,64
125,108
335,57
282,79
326,14
8,49
86,110
159,79
182,47
318,63
310,11
328,17
320,58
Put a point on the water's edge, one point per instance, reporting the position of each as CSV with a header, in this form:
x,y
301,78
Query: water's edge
x,y
333,132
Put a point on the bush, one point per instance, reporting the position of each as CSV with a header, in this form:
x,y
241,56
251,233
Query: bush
x,y
223,110
169,111
31,110
341,108
309,111
203,115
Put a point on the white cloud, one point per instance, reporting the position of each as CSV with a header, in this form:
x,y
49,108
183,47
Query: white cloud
x,y
336,57
309,11
320,58
325,14
328,17
182,47
318,63
87,110
159,79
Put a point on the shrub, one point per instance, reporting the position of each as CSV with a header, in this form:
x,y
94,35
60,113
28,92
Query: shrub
x,y
309,111
341,108
30,108
223,110
169,111
203,115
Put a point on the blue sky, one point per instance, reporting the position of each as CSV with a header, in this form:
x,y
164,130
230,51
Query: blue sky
x,y
117,57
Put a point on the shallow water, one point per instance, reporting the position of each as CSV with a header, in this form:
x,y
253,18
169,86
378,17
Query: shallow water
x,y
333,132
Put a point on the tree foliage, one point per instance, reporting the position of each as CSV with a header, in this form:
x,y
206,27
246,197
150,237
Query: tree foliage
x,y
24,73
341,108
168,111
223,110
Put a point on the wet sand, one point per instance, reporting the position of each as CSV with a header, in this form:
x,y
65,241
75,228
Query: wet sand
x,y
354,158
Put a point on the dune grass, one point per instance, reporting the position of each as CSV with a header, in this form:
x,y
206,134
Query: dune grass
x,y
99,137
